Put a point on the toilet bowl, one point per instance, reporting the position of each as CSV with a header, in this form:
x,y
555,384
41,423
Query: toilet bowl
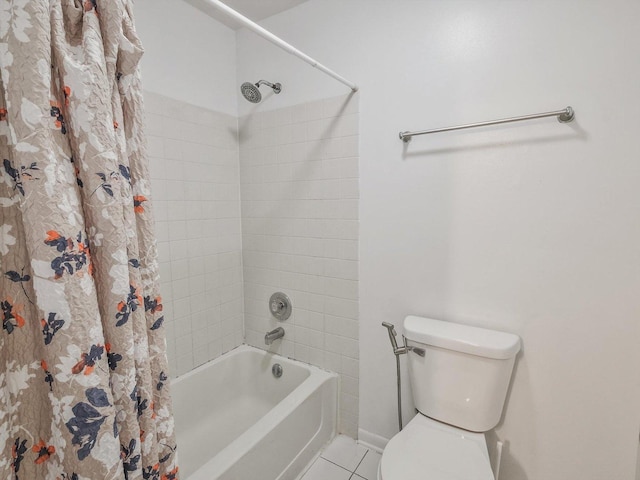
x,y
429,450
459,378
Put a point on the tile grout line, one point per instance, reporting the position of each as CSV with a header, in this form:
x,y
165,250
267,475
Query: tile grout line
x,y
336,464
359,463
306,470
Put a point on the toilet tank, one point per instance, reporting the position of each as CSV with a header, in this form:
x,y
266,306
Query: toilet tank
x,y
463,376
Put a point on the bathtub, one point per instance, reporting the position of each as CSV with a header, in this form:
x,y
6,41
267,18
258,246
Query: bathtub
x,y
236,421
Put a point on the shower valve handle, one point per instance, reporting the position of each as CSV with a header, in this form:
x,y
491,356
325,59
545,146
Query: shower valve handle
x,y
277,306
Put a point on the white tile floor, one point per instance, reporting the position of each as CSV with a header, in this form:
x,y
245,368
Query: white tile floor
x,y
344,459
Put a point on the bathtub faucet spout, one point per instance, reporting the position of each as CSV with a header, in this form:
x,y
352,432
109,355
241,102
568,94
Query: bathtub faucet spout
x,y
273,335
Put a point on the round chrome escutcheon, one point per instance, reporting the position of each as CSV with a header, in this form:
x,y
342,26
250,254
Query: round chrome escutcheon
x,y
277,370
280,306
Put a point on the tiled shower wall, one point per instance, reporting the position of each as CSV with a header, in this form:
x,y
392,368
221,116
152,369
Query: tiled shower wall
x,y
299,181
195,185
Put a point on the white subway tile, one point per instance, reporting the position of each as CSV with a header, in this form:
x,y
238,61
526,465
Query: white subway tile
x,y
165,272
343,105
336,287
153,103
179,269
344,327
162,231
315,110
333,361
229,342
350,367
180,290
316,357
153,124
349,385
155,147
183,341
164,254
184,363
301,352
349,347
349,402
340,307
347,125
350,167
332,343
299,114
342,269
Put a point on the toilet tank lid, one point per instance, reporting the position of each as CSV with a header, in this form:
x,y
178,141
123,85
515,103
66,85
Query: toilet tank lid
x,y
462,338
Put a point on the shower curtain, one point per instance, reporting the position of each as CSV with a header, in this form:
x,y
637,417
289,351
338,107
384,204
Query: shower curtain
x,y
83,374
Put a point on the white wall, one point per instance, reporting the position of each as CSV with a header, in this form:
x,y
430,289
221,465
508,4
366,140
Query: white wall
x,y
188,56
299,178
529,228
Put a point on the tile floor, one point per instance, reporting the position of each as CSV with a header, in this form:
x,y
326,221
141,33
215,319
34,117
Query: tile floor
x,y
344,459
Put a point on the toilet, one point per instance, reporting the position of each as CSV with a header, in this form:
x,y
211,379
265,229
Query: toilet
x,y
459,377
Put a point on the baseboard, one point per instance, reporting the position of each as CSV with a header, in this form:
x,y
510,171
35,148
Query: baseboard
x,y
371,440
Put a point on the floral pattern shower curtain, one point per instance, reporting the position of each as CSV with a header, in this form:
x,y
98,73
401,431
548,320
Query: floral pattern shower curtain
x,y
83,376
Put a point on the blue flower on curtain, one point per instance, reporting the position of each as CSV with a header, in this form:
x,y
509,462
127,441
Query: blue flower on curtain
x,y
87,421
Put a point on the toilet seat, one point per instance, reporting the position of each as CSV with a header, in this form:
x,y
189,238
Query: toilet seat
x,y
429,450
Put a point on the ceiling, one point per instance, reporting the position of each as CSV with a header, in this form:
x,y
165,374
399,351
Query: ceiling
x,y
255,10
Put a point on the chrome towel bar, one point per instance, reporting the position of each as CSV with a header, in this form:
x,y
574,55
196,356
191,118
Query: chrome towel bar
x,y
564,116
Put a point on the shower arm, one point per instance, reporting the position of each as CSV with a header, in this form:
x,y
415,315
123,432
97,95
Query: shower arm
x,y
267,35
277,87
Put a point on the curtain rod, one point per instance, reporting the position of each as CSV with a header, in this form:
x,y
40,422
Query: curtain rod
x,y
278,41
564,116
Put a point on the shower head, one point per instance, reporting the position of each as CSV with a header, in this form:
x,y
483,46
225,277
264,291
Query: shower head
x,y
251,92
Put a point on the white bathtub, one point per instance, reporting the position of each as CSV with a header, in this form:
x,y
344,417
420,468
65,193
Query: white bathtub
x,y
236,421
